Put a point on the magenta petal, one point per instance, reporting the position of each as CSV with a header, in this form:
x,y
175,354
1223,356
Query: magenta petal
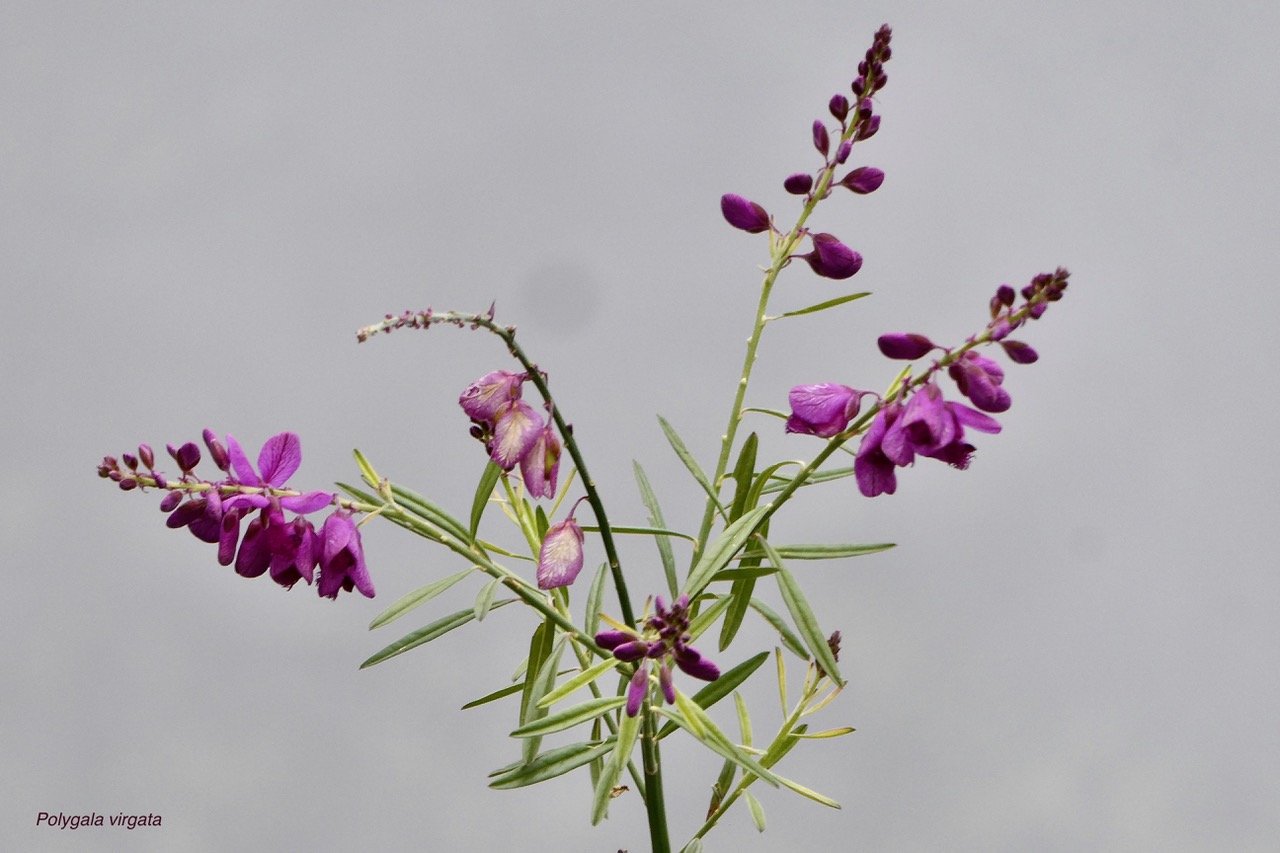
x,y
823,409
254,556
240,462
693,664
308,502
966,416
280,458
612,639
904,345
744,214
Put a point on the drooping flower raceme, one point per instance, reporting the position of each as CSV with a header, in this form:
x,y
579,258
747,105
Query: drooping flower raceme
x,y
665,640
212,510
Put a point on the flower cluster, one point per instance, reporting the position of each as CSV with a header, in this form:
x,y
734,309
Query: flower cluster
x,y
917,421
664,639
290,550
513,432
858,122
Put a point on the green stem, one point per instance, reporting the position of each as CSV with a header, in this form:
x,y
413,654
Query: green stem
x,y
654,801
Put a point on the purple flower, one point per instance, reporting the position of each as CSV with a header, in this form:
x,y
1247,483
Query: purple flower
x,y
743,214
872,468
484,397
278,460
798,184
832,259
823,409
907,346
560,558
541,464
979,379
862,180
664,639
342,558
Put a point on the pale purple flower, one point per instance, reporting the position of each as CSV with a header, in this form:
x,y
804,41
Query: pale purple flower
x,y
560,558
823,409
516,429
484,397
541,464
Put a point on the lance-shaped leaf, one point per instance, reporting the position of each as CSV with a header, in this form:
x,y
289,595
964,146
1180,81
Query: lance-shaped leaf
x,y
484,599
721,788
587,676
722,686
655,518
802,614
689,462
427,633
757,810
628,728
743,471
806,792
777,484
423,508
541,685
830,552
419,596
595,600
550,764
569,717
843,730
707,617
509,690
740,594
822,306
720,552
484,491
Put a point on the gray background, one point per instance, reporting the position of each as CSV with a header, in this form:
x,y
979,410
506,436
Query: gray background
x,y
1074,648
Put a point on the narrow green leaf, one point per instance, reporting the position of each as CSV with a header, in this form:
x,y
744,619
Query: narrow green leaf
x,y
721,551
757,810
569,717
540,643
779,483
484,599
802,614
418,505
722,686
588,675
721,788
805,792
735,575
843,730
743,471
426,634
367,473
693,721
822,306
484,491
655,518
744,718
540,518
789,639
782,679
495,695
740,600
595,600
541,685
421,595
628,730
689,462
830,552
643,531
550,764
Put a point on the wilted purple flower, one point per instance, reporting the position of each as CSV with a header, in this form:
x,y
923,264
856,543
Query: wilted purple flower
x,y
743,214
560,557
832,259
484,397
823,409
342,557
862,180
515,431
541,464
907,346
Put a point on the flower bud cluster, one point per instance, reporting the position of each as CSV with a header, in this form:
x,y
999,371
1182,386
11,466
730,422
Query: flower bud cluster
x,y
917,421
290,549
665,640
512,431
829,257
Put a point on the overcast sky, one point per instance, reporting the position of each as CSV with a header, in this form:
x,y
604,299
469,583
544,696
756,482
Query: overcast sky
x,y
1074,646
